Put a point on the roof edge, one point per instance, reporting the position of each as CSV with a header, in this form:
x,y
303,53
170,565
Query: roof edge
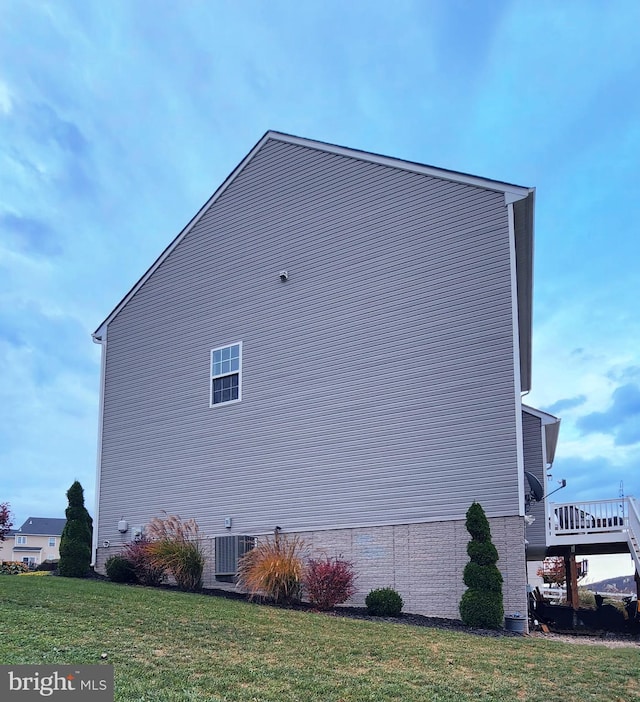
x,y
99,332
541,414
516,191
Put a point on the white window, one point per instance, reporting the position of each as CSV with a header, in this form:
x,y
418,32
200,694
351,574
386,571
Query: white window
x,y
52,541
226,374
21,540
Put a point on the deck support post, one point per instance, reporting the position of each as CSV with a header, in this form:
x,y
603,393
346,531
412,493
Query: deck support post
x,y
571,574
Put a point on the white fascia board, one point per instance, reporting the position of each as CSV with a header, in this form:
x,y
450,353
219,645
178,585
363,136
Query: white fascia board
x,y
512,192
517,387
96,513
544,416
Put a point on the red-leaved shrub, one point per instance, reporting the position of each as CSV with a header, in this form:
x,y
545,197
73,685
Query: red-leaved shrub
x,y
329,582
147,571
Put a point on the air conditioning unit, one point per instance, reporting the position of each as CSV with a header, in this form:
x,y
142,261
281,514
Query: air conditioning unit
x,y
229,550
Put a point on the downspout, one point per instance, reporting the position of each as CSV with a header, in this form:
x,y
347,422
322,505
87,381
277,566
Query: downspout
x,y
102,340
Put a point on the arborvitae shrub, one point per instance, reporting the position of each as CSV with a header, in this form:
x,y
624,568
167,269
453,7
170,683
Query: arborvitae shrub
x,y
384,602
120,569
75,542
482,609
481,605
481,577
482,553
477,523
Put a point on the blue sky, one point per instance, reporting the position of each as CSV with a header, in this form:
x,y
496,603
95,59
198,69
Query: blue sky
x,y
119,119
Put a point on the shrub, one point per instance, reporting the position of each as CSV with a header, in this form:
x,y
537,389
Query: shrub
x,y
482,552
147,573
384,602
482,609
48,565
482,577
75,542
274,568
481,605
120,569
586,598
174,547
6,520
13,568
329,582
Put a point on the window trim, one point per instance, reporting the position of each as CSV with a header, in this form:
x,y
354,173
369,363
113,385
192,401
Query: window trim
x,y
21,540
52,538
212,377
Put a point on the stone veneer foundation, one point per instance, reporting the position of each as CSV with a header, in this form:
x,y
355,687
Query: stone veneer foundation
x,y
423,562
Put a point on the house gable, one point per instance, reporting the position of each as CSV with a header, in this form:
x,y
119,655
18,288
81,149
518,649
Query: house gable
x,y
366,375
521,198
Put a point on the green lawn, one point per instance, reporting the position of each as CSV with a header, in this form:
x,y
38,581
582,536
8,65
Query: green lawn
x,y
167,646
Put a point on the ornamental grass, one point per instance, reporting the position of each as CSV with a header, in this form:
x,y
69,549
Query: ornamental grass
x,y
174,547
274,568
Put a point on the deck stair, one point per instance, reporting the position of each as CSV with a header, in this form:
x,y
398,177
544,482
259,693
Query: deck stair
x,y
633,531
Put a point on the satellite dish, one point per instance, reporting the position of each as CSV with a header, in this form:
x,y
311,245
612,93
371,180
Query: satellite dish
x,y
535,486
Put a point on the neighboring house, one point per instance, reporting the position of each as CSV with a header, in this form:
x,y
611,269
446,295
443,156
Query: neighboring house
x,y
36,541
336,344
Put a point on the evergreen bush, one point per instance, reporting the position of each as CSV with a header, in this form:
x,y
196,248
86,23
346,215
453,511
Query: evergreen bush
x,y
75,543
384,602
48,566
120,569
481,604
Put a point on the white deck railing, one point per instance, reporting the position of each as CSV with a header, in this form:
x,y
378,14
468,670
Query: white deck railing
x,y
592,517
597,521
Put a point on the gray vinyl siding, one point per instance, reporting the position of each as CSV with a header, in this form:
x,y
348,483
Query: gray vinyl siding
x,y
534,463
378,381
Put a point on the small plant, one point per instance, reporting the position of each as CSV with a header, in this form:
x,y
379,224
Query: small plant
x,y
13,568
274,568
481,604
75,542
120,569
174,547
586,598
146,570
329,582
384,602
